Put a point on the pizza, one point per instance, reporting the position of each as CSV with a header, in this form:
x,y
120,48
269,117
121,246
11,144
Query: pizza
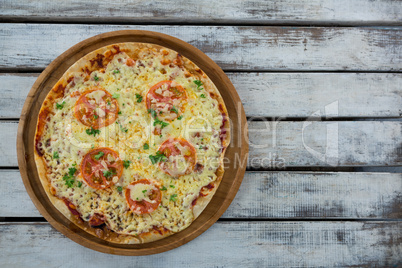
x,y
130,142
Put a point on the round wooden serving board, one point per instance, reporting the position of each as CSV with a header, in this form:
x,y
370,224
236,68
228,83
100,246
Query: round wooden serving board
x,y
237,151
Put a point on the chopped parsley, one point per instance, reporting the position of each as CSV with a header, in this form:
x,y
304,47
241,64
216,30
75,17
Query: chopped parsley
x,y
79,184
116,71
123,128
152,112
144,191
174,109
163,188
119,189
99,155
96,116
92,131
158,157
180,117
69,181
171,186
173,197
55,155
108,173
60,106
115,95
126,163
146,146
202,96
199,84
119,112
96,78
139,97
71,171
157,121
109,103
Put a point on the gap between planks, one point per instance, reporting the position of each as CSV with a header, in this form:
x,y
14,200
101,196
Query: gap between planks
x,y
239,12
240,48
291,195
276,96
227,244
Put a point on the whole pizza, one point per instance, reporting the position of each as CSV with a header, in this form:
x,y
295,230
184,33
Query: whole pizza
x,y
130,142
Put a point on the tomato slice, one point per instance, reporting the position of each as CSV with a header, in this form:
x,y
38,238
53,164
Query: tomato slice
x,y
181,157
96,108
101,168
147,196
166,98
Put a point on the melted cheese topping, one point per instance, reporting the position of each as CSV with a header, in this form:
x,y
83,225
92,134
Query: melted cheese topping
x,y
141,191
200,125
97,95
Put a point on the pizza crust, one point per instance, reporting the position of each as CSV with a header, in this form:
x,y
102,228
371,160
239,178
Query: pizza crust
x,y
92,62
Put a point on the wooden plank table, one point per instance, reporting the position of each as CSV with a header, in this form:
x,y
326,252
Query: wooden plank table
x,y
323,96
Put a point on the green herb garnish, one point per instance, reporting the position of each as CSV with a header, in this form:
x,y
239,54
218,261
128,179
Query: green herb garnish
x,y
199,84
158,157
60,106
159,122
99,155
92,131
107,173
96,78
79,184
139,97
71,171
119,189
174,109
69,181
115,95
171,186
126,163
55,155
146,146
202,96
180,117
173,197
163,188
116,71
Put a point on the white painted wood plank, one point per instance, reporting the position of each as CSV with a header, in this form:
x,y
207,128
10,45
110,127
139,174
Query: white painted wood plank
x,y
360,143
274,94
284,195
225,244
360,12
232,47
276,145
318,195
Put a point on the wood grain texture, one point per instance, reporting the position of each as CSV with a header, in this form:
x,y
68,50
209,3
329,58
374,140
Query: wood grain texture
x,y
274,94
360,12
282,195
279,144
232,47
225,244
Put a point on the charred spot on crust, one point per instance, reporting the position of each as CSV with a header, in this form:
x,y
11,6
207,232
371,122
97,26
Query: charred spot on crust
x,y
42,118
198,168
98,60
97,220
